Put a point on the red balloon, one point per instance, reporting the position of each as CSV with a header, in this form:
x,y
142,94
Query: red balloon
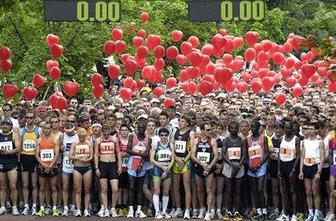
x,y
109,47
98,91
286,73
192,88
53,100
142,52
267,45
184,86
297,91
142,33
218,41
278,58
29,93
222,31
172,52
207,49
289,63
268,83
159,51
158,92
6,65
130,66
54,73
287,47
128,82
153,41
229,45
238,42
147,72
117,34
50,64
169,102
332,87
322,71
195,58
230,86
308,70
56,51
96,79
242,86
159,64
250,54
70,88
120,46
251,37
144,16
303,81
177,35
5,53
51,39
181,59
290,82
280,98
9,90
113,71
137,41
256,86
205,87
62,103
38,80
140,83
194,41
186,47
184,76
125,93
222,75
171,82
193,72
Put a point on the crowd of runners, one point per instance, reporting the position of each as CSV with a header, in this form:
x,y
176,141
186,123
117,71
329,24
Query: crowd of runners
x,y
220,156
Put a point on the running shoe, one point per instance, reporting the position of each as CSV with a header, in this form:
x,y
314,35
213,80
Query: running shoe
x,y
140,214
282,217
15,211
41,212
3,210
237,216
212,214
34,211
172,212
120,212
65,212
219,214
273,216
125,212
186,214
25,211
201,214
310,217
87,213
130,214
330,217
194,214
294,218
149,213
55,212
77,213
251,214
158,215
47,210
101,212
113,212
207,217
166,216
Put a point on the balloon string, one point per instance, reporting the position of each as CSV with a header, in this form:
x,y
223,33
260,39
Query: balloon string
x,y
45,94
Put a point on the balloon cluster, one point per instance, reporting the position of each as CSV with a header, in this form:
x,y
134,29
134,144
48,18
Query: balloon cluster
x,y
5,61
213,65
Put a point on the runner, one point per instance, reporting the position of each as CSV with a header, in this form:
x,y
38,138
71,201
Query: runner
x,y
163,159
234,155
9,148
108,168
47,150
138,149
204,155
312,155
28,162
81,153
257,168
183,141
69,137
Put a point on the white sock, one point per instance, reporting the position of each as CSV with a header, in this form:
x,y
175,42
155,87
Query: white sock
x,y
34,205
178,209
156,202
130,208
259,211
311,211
102,207
41,207
26,205
54,207
66,207
138,208
218,210
264,211
165,200
316,212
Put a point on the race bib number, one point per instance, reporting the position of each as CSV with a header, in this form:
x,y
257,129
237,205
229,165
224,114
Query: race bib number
x,y
82,151
164,155
234,153
8,145
29,145
254,152
67,163
107,148
310,161
180,146
67,147
139,149
47,154
124,162
287,153
204,157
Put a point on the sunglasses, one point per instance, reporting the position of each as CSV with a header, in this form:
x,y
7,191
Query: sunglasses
x,y
5,110
163,135
30,117
6,123
53,122
71,121
208,130
47,128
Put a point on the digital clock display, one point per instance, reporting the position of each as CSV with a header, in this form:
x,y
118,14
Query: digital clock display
x,y
226,10
82,11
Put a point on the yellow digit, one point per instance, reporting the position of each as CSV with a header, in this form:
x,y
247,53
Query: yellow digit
x,y
113,12
258,10
101,11
245,10
226,10
82,10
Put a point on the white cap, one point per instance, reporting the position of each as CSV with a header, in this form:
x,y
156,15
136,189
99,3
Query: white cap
x,y
155,100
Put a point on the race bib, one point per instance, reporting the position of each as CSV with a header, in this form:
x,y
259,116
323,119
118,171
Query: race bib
x,y
124,162
107,148
139,149
180,146
310,161
135,162
67,147
234,153
29,145
83,151
47,154
204,157
8,145
275,154
164,155
254,152
287,153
